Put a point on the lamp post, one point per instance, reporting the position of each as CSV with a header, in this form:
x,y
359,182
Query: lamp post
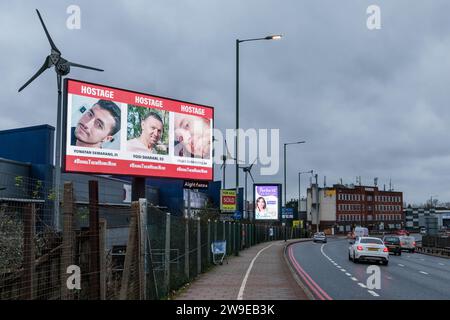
x,y
299,190
286,144
271,37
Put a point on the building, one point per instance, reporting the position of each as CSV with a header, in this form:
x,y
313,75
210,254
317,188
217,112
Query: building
x,y
416,218
343,207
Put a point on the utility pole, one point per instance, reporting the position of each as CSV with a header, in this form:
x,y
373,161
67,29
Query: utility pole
x,y
317,202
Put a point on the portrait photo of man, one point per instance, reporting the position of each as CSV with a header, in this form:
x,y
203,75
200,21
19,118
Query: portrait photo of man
x,y
147,130
97,125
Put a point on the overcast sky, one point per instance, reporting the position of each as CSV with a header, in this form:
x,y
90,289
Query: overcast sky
x,y
368,103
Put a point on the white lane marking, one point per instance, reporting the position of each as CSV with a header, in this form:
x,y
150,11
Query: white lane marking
x,y
354,279
348,274
339,267
423,272
343,270
441,264
422,259
373,293
361,285
390,278
401,265
244,282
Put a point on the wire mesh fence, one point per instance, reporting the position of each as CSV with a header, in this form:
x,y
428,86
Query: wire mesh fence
x,y
104,250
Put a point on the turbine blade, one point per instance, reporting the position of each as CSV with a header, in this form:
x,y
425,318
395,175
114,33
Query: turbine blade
x,y
83,66
251,176
250,168
52,44
45,66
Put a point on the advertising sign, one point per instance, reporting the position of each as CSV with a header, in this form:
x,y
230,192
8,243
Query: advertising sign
x,y
267,200
228,200
116,131
287,213
195,185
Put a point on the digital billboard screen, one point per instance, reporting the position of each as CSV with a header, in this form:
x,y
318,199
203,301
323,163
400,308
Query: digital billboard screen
x,y
267,201
116,131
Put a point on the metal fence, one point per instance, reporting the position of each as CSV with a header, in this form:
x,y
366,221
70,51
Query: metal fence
x,y
107,251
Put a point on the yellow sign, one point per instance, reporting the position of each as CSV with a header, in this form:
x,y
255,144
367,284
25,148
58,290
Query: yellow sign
x,y
296,223
330,193
228,200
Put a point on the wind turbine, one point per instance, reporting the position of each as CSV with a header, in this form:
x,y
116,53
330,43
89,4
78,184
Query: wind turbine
x,y
247,171
62,68
224,159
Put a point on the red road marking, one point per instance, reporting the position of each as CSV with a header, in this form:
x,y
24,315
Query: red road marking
x,y
320,293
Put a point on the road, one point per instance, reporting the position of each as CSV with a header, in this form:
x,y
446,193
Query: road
x,y
326,270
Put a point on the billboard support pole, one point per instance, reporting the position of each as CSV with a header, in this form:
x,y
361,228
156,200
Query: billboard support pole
x,y
137,188
57,173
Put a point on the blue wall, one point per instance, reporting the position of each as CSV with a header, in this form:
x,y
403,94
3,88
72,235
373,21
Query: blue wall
x,y
32,144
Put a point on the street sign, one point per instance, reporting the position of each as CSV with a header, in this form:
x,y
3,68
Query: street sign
x,y
237,215
296,223
228,200
287,213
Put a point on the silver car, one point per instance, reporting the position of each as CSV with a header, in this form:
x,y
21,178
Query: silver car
x,y
368,249
408,243
320,237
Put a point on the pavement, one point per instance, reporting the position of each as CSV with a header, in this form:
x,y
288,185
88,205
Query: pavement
x,y
258,273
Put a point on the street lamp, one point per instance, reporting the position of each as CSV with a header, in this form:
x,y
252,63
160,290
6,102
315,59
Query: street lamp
x,y
299,190
270,37
286,144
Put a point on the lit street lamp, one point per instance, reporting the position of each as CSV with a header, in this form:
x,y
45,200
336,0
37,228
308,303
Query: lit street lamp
x,y
271,37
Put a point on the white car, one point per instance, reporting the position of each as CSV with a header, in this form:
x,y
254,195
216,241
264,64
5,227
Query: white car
x,y
368,248
320,237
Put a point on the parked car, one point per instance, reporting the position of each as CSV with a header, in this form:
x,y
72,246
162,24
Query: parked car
x,y
408,243
368,249
393,244
320,237
402,233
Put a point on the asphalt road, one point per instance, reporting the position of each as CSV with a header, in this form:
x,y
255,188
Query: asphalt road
x,y
326,269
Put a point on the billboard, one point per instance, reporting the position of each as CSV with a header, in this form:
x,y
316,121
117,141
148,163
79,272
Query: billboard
x,y
228,200
115,131
267,200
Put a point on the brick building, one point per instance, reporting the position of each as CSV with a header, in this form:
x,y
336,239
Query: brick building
x,y
342,207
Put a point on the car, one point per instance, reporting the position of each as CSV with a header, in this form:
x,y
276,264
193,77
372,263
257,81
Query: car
x,y
320,237
368,249
393,244
408,243
361,232
402,233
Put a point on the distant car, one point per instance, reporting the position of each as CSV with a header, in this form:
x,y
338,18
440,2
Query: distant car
x,y
402,233
423,230
393,244
320,237
368,249
408,243
361,232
